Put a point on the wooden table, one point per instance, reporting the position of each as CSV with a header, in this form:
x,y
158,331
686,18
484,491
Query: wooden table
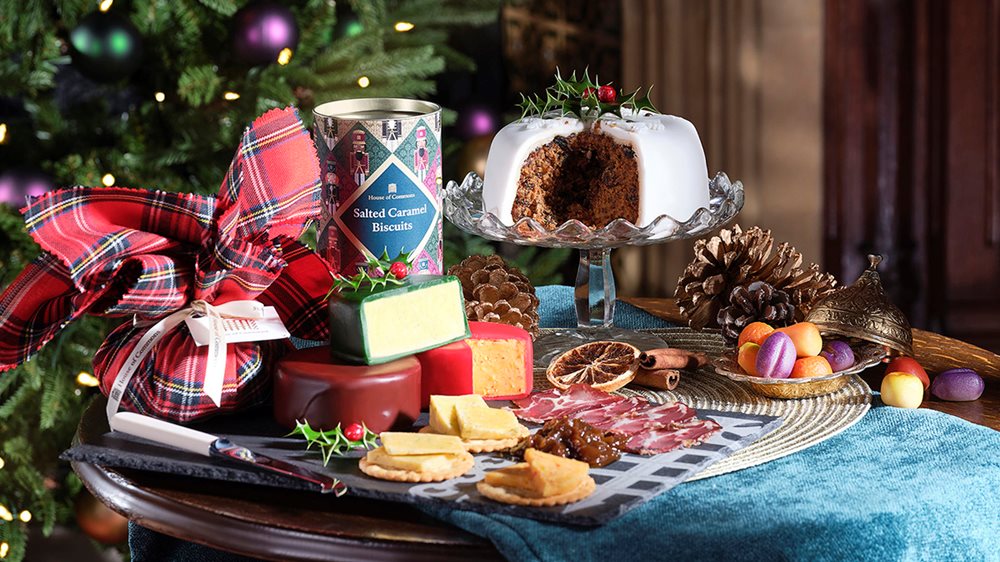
x,y
289,525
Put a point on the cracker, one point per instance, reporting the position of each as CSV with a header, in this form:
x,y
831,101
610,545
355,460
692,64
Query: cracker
x,y
488,445
464,464
507,495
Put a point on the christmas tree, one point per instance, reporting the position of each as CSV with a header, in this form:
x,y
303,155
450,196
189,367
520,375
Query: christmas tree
x,y
155,94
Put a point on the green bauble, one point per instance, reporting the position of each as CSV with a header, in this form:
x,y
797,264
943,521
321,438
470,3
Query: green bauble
x,y
105,47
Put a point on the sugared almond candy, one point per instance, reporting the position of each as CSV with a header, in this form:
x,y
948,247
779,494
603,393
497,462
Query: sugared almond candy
x,y
908,365
958,385
838,354
806,337
902,390
776,357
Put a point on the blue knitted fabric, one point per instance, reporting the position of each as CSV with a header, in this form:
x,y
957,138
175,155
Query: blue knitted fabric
x,y
898,485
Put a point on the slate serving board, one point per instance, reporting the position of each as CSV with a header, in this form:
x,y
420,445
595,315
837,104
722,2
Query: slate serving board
x,y
622,486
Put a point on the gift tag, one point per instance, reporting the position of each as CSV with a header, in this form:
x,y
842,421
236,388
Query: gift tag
x,y
269,327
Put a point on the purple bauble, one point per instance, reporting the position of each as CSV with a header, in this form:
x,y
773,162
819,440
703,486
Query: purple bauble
x,y
16,185
475,121
262,30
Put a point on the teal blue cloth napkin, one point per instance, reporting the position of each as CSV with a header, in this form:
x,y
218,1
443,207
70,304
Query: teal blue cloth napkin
x,y
556,310
899,485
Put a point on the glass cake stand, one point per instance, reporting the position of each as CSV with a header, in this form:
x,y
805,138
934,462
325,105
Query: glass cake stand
x,y
594,294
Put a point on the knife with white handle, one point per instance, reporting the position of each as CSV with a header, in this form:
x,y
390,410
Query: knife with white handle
x,y
209,445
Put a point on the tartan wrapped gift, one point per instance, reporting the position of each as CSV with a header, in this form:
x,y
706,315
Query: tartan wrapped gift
x,y
148,254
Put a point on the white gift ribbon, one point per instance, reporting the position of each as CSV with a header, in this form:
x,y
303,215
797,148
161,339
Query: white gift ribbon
x,y
215,369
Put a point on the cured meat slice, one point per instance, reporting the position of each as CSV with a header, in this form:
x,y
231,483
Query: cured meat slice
x,y
650,429
666,414
647,417
554,403
664,439
610,412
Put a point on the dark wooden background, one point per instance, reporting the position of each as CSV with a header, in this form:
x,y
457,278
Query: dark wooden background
x,y
911,157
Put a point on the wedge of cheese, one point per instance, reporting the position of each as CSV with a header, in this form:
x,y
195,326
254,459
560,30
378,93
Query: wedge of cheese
x,y
379,324
477,422
518,477
553,475
415,463
442,411
401,444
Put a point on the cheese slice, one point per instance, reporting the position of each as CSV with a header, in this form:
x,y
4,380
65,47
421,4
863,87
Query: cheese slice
x,y
518,477
476,422
415,463
554,475
442,411
398,443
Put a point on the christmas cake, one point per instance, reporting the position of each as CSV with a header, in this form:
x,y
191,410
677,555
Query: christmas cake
x,y
581,154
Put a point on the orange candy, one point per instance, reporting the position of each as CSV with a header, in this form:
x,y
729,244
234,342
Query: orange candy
x,y
811,367
806,337
755,332
747,358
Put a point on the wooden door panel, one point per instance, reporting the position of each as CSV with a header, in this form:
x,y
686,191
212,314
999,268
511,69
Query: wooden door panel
x,y
911,158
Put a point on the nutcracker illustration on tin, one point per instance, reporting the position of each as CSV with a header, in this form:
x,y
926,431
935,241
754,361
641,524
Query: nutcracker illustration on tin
x,y
420,158
392,130
382,182
359,157
330,182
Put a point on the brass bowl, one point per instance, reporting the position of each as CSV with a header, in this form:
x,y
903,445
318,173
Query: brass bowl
x,y
866,354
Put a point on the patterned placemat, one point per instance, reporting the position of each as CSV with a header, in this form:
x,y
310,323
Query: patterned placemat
x,y
806,421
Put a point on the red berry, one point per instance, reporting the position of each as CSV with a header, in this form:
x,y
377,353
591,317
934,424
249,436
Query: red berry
x,y
398,269
588,91
607,94
354,432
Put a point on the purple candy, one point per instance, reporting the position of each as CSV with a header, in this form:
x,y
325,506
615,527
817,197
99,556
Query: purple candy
x,y
776,357
838,354
958,385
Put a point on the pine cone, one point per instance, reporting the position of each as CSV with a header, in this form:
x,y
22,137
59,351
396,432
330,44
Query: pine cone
x,y
758,301
497,292
735,258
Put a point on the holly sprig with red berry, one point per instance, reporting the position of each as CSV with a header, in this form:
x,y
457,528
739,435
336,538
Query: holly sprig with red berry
x,y
335,441
376,273
585,98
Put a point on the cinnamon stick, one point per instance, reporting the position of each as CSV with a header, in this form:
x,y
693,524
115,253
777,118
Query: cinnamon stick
x,y
672,358
662,379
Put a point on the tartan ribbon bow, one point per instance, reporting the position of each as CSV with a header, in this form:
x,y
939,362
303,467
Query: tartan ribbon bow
x,y
148,253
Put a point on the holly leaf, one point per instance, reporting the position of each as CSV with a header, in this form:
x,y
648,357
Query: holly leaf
x,y
374,274
580,97
333,442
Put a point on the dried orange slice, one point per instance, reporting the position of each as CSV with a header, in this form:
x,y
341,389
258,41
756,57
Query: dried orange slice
x,y
604,365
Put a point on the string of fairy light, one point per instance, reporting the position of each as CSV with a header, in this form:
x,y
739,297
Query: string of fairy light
x,y
8,516
284,57
84,379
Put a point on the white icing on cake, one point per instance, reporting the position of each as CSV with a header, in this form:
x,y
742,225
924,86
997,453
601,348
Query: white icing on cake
x,y
673,174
